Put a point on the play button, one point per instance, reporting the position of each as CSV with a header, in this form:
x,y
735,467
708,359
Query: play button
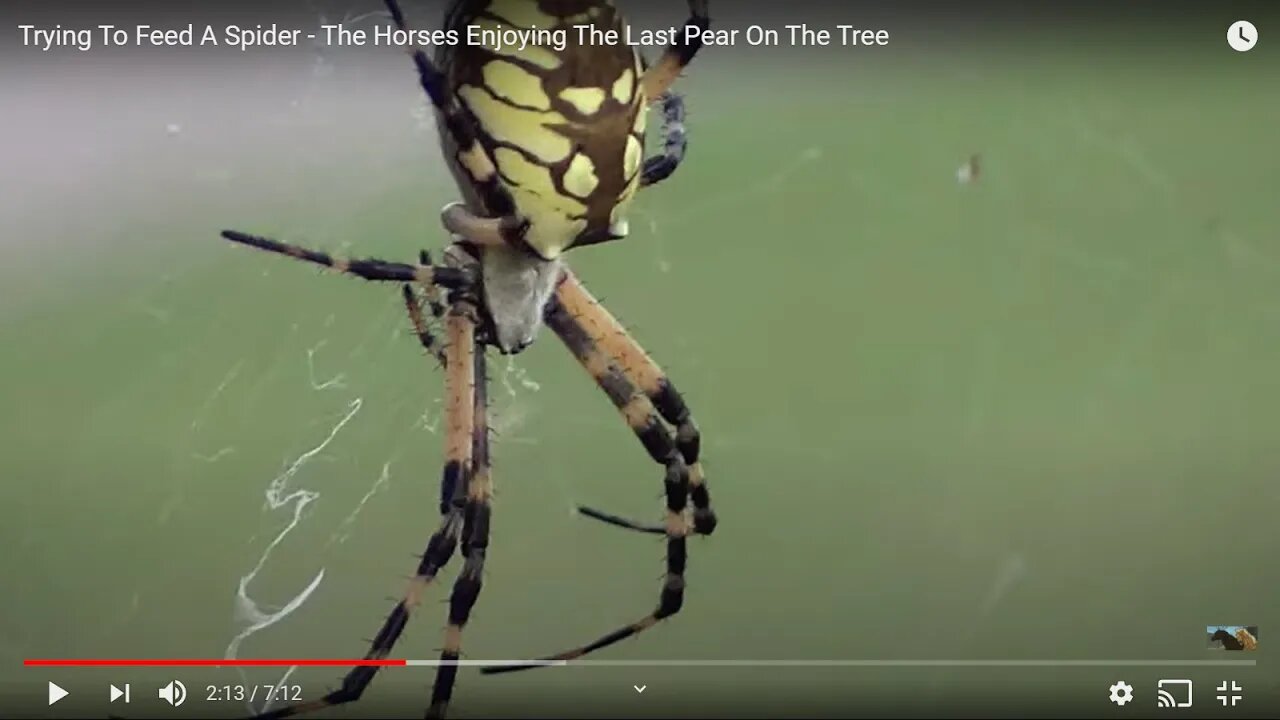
x,y
56,693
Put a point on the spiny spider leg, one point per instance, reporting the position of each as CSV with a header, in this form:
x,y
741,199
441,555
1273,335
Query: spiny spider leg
x,y
367,268
432,291
465,516
469,390
661,75
639,368
656,84
643,418
429,341
674,143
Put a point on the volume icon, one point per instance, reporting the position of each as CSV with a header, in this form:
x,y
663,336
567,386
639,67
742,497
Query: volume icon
x,y
175,693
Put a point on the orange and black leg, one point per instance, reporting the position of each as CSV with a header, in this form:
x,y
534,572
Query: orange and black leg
x,y
660,76
642,395
464,494
630,358
425,274
432,278
656,84
421,327
469,443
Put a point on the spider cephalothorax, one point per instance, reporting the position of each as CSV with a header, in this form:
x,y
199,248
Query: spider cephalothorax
x,y
546,142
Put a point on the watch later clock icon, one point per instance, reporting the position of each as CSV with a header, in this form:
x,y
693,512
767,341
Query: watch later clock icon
x,y
1242,36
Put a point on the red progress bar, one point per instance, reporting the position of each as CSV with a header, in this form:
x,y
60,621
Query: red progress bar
x,y
204,662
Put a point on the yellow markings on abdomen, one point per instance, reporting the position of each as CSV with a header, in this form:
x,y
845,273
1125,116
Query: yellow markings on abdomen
x,y
642,119
624,86
522,13
517,170
581,179
555,219
564,127
515,84
586,100
631,157
475,160
551,231
526,129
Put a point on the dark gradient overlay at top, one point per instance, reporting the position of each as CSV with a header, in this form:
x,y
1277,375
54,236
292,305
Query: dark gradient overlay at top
x,y
986,26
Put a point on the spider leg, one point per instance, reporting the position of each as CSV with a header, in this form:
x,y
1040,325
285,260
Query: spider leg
x,y
565,318
468,399
505,230
507,227
465,516
662,74
455,257
432,292
429,341
610,336
659,167
367,268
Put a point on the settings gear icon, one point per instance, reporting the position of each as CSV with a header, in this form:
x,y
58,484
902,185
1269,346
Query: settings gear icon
x,y
1121,693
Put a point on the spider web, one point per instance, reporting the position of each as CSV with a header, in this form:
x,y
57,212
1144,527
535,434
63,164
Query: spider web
x,y
268,593
288,496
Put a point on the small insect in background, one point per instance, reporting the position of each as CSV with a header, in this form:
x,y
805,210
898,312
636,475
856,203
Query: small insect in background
x,y
546,143
969,172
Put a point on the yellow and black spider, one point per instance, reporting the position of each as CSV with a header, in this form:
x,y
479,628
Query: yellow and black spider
x,y
546,143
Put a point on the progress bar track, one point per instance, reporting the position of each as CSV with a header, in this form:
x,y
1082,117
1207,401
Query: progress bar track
x,y
590,662
845,663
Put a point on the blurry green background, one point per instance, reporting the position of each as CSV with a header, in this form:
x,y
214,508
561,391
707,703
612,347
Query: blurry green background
x,y
1031,416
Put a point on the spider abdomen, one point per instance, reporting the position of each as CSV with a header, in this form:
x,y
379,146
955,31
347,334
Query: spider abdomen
x,y
560,117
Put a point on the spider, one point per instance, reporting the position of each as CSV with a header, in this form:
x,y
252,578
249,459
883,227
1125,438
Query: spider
x,y
546,146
